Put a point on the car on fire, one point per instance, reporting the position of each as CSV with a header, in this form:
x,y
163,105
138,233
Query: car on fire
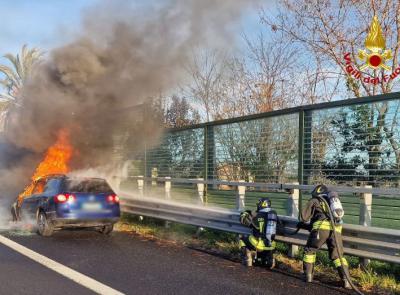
x,y
56,202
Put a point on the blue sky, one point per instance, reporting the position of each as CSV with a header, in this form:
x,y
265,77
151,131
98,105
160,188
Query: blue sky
x,y
38,23
49,23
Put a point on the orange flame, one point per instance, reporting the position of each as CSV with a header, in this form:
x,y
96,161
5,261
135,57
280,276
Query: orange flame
x,y
56,161
57,157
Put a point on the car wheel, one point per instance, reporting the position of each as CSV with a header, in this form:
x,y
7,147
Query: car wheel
x,y
107,229
44,227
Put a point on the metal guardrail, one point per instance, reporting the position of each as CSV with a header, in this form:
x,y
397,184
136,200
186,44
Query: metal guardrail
x,y
359,240
367,242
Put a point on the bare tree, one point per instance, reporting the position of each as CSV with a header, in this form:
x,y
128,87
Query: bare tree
x,y
207,82
270,64
325,30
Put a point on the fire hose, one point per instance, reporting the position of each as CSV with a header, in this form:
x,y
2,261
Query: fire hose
x,y
300,225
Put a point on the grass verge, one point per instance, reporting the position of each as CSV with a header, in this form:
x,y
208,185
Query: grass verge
x,y
379,278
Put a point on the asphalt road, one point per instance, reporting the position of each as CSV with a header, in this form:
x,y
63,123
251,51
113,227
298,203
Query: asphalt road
x,y
134,265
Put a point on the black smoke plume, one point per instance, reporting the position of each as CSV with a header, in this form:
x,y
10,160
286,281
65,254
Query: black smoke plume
x,y
125,53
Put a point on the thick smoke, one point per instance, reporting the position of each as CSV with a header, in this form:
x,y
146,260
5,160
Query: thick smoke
x,y
125,53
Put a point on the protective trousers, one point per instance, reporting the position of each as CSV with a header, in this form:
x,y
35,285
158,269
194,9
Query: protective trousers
x,y
264,254
317,238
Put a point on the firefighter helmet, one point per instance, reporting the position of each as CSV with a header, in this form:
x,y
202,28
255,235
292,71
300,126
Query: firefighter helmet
x,y
319,190
263,203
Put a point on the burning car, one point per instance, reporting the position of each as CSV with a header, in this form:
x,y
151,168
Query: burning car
x,y
58,201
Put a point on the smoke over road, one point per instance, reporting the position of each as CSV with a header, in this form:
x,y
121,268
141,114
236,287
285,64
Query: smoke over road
x,y
125,53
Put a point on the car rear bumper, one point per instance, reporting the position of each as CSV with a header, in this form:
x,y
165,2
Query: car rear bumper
x,y
74,222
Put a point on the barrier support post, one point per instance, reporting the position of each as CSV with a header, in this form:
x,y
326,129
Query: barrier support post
x,y
365,218
154,174
293,211
167,186
241,192
200,191
140,183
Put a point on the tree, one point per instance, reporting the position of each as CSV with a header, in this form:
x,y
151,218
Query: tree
x,y
323,32
15,77
268,80
207,73
180,113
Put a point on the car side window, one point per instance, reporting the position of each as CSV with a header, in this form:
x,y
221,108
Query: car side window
x,y
39,187
52,186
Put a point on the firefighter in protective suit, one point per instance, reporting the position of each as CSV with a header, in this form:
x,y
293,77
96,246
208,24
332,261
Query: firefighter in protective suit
x,y
261,243
321,232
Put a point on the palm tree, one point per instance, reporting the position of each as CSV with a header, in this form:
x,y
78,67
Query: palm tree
x,y
14,78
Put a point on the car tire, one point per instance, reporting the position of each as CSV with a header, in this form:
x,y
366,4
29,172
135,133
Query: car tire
x,y
107,229
44,227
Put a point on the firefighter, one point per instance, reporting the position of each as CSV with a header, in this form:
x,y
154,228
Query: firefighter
x,y
321,232
261,243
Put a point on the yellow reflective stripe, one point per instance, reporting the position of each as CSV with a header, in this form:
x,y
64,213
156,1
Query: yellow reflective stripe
x,y
338,263
259,244
338,228
261,223
242,244
326,225
324,207
322,224
309,258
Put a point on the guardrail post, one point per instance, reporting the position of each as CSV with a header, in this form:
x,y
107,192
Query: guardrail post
x,y
154,174
140,183
168,188
293,211
365,218
200,191
241,191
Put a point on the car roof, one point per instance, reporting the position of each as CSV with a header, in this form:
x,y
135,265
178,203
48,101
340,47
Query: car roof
x,y
85,178
69,177
50,176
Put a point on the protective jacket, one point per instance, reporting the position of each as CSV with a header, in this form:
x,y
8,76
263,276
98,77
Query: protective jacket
x,y
263,224
316,211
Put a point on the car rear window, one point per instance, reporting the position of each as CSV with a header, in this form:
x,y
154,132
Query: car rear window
x,y
87,186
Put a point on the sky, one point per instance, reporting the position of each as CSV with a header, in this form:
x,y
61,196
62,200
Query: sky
x,y
50,23
39,23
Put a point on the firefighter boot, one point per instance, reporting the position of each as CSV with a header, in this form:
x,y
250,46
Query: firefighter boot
x,y
247,257
268,259
343,270
308,269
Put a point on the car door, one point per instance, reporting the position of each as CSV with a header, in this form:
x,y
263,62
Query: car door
x,y
51,189
25,200
35,198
